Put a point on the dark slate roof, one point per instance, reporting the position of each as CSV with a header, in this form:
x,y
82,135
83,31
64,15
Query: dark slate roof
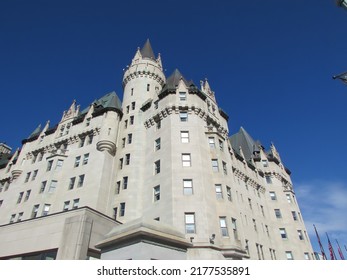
x,y
147,50
173,80
247,143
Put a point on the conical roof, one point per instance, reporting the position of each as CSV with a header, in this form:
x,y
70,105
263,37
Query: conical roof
x,y
173,80
147,50
246,142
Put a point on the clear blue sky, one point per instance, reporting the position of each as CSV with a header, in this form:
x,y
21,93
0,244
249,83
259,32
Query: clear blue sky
x,y
270,64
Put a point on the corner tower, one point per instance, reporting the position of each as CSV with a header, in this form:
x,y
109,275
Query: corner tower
x,y
144,78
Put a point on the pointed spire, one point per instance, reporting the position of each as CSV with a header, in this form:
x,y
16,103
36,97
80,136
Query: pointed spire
x,y
147,50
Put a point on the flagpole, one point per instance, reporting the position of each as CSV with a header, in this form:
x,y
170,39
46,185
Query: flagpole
x,y
339,250
320,244
331,249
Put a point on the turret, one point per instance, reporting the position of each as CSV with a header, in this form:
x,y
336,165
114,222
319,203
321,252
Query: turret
x,y
144,78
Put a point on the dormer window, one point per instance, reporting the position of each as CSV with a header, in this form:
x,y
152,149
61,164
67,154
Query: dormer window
x,y
183,96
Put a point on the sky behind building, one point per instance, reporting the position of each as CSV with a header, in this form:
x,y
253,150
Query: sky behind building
x,y
270,64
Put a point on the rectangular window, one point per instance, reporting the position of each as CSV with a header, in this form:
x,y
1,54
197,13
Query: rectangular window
x,y
49,165
283,233
123,142
189,219
1,201
184,116
66,205
118,187
265,163
120,163
52,186
267,230
301,236
219,192
157,167
215,167
59,164
43,186
35,210
115,212
273,195
289,255
183,96
289,198
229,193
127,109
306,256
221,145
27,177
148,87
130,138
158,124
278,213
45,210
187,186
184,136
262,210
75,203
131,120
254,225
85,159
72,183
13,217
122,209
268,179
127,159
223,226
82,139
77,161
125,182
40,157
211,142
80,181
156,104
20,197
250,203
133,105
186,160
234,227
125,123
27,195
34,175
156,193
90,139
225,169
295,217
157,144
20,215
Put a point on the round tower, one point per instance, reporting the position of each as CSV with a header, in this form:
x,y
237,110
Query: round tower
x,y
144,77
